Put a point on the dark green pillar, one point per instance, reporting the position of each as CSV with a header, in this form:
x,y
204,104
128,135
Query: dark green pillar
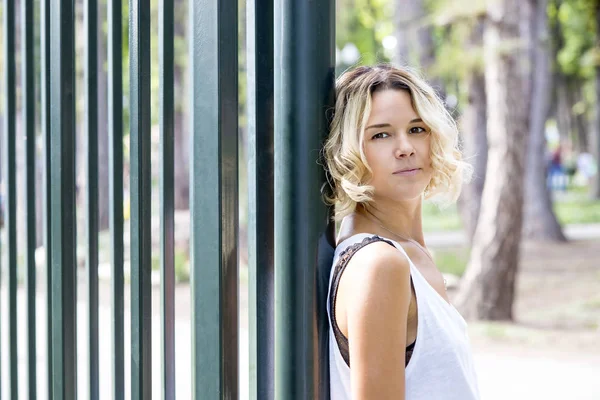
x,y
62,196
260,62
45,122
115,188
167,200
91,196
28,90
304,76
214,198
140,182
10,210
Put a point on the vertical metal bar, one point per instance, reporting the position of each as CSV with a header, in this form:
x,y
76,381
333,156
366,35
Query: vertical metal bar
x,y
141,312
304,81
62,148
167,201
115,156
326,62
11,190
27,75
260,198
45,118
91,127
214,199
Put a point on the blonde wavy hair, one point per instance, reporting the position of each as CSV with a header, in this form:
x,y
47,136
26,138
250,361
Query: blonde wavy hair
x,y
343,151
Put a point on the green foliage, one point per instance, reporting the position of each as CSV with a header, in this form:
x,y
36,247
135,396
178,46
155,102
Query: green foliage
x,y
454,61
577,26
458,47
457,43
182,265
364,23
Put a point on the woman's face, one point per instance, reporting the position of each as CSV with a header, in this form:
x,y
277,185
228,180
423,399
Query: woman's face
x,y
397,147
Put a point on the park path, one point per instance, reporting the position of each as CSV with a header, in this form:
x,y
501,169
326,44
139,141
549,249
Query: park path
x,y
505,372
458,238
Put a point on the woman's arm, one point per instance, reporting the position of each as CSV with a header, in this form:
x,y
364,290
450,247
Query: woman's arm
x,y
377,287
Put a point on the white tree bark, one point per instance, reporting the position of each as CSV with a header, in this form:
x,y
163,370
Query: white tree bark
x,y
540,221
473,129
489,282
596,131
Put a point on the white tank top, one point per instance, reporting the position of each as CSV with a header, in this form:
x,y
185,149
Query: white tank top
x,y
441,366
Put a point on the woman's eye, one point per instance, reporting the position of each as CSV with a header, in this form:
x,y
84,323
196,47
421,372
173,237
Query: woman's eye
x,y
380,135
417,129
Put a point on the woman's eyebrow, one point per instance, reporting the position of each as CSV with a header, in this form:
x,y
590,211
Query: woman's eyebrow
x,y
414,121
379,126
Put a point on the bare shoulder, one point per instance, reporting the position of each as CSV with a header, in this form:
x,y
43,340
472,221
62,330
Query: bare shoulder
x,y
376,264
377,273
377,298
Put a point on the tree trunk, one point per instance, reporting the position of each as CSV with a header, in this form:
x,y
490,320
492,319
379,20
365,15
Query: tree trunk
x,y
488,285
2,116
182,177
473,129
181,138
596,131
39,200
415,42
571,124
406,14
540,221
596,139
579,118
473,123
563,108
103,162
81,135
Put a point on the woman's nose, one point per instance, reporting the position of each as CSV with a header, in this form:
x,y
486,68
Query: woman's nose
x,y
404,147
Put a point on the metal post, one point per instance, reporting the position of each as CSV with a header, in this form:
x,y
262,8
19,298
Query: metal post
x,y
45,122
214,198
167,201
141,262
11,190
62,193
115,188
27,79
260,198
91,128
303,87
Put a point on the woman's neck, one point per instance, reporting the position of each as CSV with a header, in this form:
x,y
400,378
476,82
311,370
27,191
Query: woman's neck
x,y
402,219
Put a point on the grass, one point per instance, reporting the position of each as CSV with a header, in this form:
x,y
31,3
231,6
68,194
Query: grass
x,y
574,208
578,211
452,261
506,332
592,304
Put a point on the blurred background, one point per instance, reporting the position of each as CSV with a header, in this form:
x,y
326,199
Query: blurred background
x,y
548,346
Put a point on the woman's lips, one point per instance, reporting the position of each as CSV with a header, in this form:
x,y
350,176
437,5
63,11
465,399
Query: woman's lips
x,y
408,172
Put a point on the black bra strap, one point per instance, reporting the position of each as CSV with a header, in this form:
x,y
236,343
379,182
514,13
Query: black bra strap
x,y
343,260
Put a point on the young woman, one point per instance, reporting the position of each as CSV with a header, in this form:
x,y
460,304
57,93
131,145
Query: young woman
x,y
393,333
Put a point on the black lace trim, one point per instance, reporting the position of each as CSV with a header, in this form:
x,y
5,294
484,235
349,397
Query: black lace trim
x,y
344,258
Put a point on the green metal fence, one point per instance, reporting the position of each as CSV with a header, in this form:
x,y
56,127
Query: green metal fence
x,y
290,63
